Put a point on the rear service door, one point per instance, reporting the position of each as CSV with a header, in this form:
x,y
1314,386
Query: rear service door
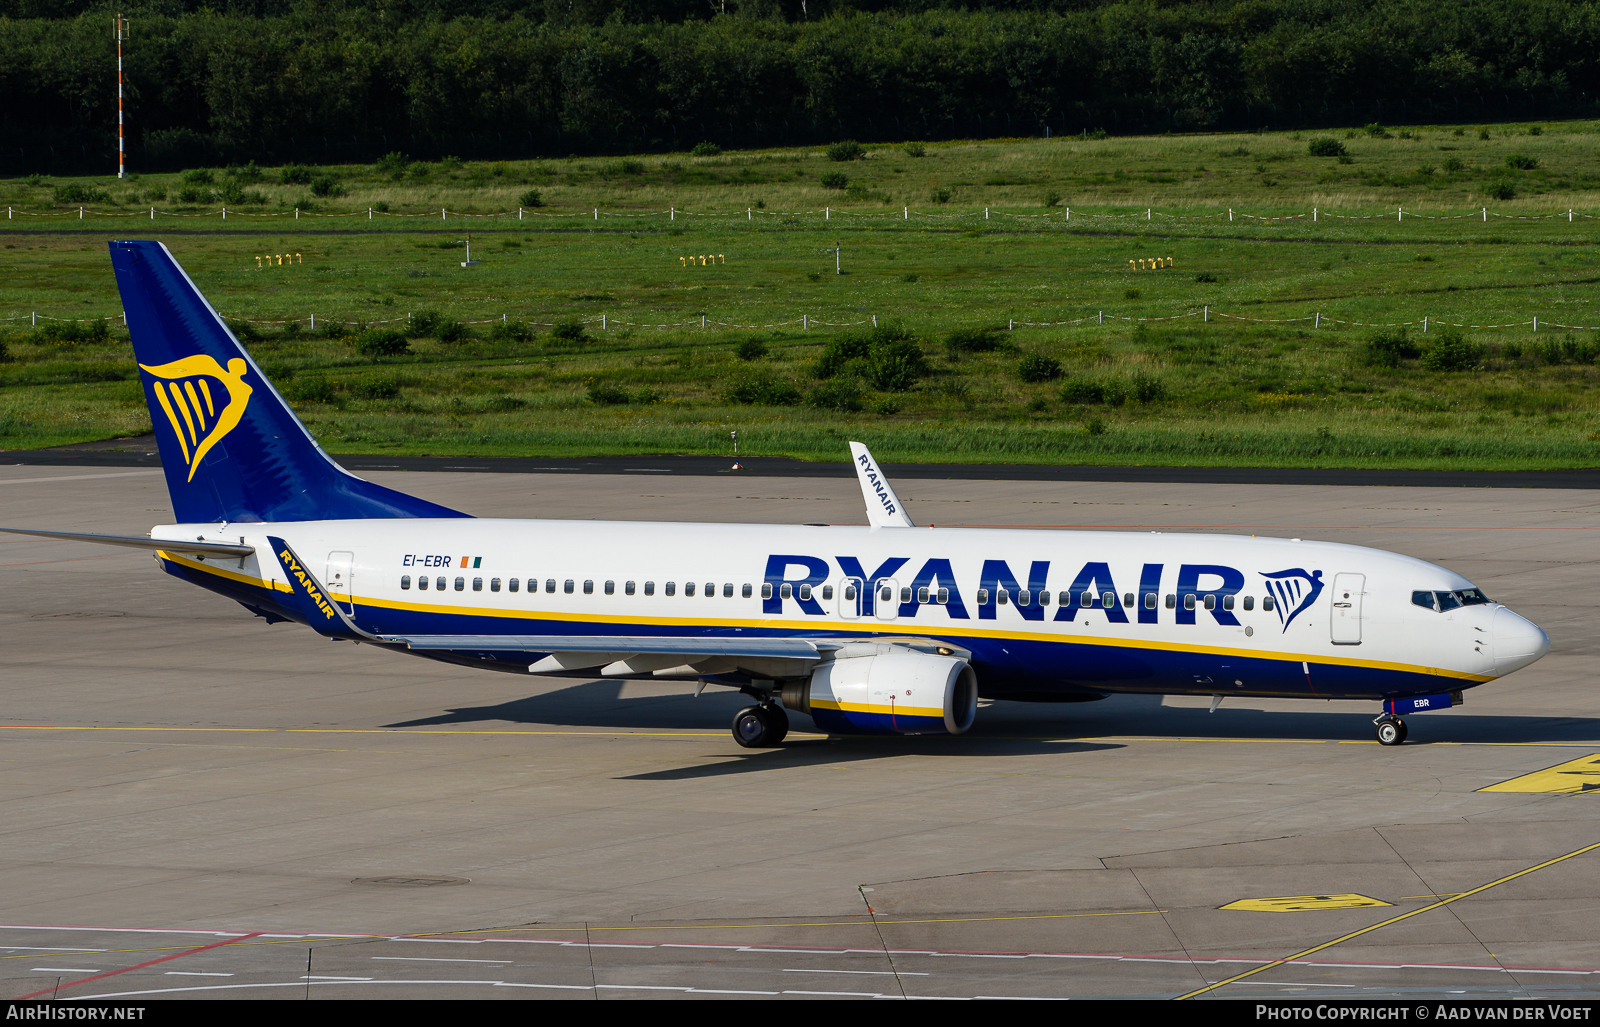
x,y
1347,592
341,568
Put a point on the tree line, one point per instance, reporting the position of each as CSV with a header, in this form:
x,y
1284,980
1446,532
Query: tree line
x,y
330,81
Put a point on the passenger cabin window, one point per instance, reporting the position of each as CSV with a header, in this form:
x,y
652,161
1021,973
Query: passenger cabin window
x,y
922,595
649,588
1024,597
983,596
727,590
886,594
1268,603
943,596
671,589
422,583
1149,600
494,584
827,591
849,593
513,585
905,593
549,584
1227,602
785,590
711,589
1172,601
627,588
688,588
805,591
567,586
745,591
1108,599
477,584
439,584
588,587
1211,601
461,584
1127,600
1249,603
611,588
1044,598
405,581
766,590
1002,596
1064,598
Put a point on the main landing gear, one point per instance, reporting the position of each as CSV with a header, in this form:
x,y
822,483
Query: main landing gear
x,y
1389,730
761,726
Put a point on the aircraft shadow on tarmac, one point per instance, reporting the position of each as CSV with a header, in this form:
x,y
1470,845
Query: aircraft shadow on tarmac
x,y
600,704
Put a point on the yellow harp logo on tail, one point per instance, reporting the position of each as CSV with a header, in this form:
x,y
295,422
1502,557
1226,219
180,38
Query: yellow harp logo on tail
x,y
202,401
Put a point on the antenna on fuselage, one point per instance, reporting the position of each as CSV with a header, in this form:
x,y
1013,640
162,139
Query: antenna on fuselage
x,y
884,509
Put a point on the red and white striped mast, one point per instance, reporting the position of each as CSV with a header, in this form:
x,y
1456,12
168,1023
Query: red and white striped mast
x,y
121,149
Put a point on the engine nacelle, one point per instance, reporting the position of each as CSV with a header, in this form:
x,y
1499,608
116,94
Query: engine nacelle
x,y
900,692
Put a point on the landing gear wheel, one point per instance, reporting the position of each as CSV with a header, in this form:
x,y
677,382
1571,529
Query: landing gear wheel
x,y
1390,731
760,727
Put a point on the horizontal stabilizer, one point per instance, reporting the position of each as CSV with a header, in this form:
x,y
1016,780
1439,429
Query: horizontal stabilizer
x,y
199,547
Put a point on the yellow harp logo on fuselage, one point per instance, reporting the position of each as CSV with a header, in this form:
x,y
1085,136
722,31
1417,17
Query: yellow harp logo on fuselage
x,y
200,412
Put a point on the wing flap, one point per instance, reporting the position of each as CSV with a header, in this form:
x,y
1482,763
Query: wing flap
x,y
614,648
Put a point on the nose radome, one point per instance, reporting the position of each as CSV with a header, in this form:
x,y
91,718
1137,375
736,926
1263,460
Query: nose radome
x,y
1517,641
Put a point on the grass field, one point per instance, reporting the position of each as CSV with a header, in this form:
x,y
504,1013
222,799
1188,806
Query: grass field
x,y
1184,391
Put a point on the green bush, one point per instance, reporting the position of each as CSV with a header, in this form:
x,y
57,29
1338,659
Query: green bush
x,y
199,176
841,394
705,150
450,162
888,357
376,388
326,186
79,194
1079,391
568,330
72,333
452,331
1452,351
1454,164
1148,388
294,174
313,388
383,344
393,164
972,340
191,194
1036,367
511,331
1521,162
531,198
1377,131
940,196
425,322
834,180
846,150
752,348
606,394
1326,146
1388,348
763,390
1502,190
916,150
5,351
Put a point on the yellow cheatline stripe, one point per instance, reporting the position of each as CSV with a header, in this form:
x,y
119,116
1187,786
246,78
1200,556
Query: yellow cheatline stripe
x,y
1386,923
865,921
876,628
887,710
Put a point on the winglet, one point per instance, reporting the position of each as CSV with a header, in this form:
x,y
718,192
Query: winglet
x,y
318,608
884,509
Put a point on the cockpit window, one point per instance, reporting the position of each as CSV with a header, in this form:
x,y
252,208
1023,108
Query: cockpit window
x,y
1443,601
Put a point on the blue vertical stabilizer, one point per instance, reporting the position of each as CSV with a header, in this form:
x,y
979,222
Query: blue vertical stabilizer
x,y
231,447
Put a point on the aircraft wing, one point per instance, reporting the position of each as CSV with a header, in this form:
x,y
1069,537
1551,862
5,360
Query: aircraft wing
x,y
641,655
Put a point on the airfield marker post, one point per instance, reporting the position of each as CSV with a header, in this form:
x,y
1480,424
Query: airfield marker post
x,y
313,322
672,214
1102,317
805,321
1318,322
1313,214
296,214
1069,213
597,213
1400,214
748,216
986,213
80,213
1230,213
827,213
1424,324
1147,213
152,213
519,213
1486,213
1206,315
369,213
224,213
602,322
1536,322
906,211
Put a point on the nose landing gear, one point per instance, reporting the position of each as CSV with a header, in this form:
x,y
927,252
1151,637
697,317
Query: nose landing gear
x,y
760,727
1389,730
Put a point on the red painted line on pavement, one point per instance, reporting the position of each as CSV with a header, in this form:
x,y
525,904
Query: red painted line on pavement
x,y
141,966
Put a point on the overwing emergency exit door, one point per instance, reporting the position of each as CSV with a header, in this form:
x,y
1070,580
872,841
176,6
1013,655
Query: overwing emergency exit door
x,y
1346,620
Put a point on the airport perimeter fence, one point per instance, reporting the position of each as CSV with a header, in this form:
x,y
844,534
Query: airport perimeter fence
x,y
805,322
827,213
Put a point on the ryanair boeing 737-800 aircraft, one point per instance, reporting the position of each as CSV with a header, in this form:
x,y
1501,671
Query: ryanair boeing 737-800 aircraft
x,y
884,629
